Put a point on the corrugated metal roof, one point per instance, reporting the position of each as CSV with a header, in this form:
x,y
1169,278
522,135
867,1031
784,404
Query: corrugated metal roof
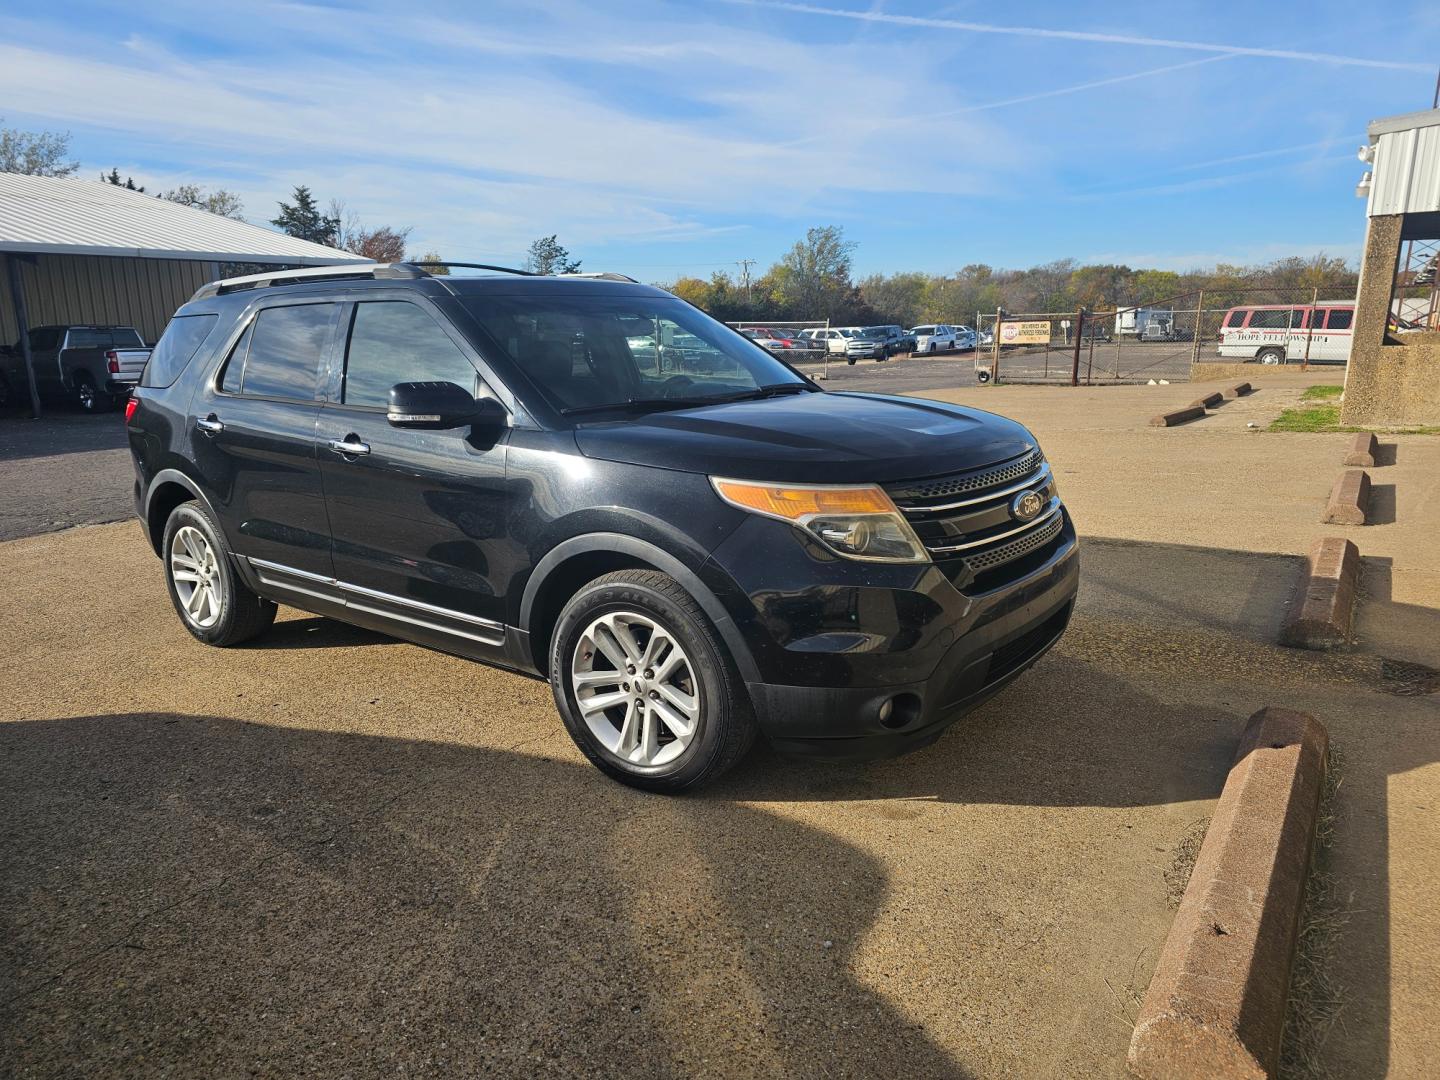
x,y
65,216
1406,170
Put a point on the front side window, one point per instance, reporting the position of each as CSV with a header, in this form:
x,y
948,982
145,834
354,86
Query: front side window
x,y
1236,318
286,347
391,342
1340,318
589,353
177,345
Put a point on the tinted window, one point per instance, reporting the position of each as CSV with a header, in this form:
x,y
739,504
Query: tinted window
x,y
1297,318
1269,320
1235,318
177,345
1340,318
126,338
88,339
235,364
286,346
395,342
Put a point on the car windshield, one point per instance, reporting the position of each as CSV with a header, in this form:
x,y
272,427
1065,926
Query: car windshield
x,y
593,353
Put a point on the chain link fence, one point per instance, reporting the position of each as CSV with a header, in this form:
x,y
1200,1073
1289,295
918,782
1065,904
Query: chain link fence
x,y
1160,340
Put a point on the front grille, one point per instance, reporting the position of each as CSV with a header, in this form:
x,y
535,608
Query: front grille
x,y
977,532
989,558
962,483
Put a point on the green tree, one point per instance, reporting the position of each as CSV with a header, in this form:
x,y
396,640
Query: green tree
x,y
431,257
812,280
898,298
1152,285
113,177
36,153
222,202
548,256
304,219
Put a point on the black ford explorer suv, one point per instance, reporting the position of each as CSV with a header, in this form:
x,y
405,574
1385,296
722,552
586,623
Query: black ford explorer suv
x,y
588,479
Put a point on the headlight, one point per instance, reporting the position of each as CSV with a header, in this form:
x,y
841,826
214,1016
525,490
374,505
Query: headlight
x,y
858,522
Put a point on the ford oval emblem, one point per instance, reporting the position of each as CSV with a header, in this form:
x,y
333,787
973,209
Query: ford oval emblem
x,y
1026,506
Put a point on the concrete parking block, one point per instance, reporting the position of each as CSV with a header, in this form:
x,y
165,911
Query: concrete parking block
x,y
1349,499
1216,1004
1362,450
1209,401
1323,606
1239,389
1179,416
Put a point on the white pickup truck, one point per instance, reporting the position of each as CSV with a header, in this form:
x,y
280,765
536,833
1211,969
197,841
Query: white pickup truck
x,y
92,366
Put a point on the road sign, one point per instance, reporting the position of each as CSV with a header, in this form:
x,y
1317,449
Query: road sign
x,y
1025,333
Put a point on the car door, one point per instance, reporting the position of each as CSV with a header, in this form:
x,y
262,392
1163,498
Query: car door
x,y
253,441
419,517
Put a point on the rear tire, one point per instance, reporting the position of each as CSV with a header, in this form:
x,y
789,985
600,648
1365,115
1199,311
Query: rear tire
x,y
693,721
213,603
1271,356
89,397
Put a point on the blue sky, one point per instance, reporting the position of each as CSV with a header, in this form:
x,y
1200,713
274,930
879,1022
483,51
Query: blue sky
x,y
664,138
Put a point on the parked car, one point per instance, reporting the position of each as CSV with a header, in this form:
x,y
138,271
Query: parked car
x,y
828,340
90,366
1280,333
867,344
777,339
480,465
933,338
897,339
965,338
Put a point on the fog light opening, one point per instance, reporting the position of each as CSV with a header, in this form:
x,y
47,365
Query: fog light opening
x,y
900,711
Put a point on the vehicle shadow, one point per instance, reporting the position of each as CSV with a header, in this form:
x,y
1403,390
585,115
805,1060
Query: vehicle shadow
x,y
317,632
193,894
57,433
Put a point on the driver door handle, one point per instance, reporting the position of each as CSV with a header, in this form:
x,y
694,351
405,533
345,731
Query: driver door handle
x,y
350,446
211,425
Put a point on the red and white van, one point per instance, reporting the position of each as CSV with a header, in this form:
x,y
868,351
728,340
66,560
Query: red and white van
x,y
1278,333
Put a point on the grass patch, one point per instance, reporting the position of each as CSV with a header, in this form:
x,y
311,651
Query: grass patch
x,y
1322,415
1312,1012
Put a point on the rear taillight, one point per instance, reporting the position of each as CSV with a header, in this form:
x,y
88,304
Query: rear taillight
x,y
131,404
112,361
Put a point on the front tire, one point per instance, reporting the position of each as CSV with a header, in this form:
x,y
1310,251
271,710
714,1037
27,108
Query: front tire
x,y
211,600
645,685
1271,356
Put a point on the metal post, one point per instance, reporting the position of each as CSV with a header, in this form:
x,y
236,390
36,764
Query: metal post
x,y
22,321
1195,332
1310,327
995,349
1079,337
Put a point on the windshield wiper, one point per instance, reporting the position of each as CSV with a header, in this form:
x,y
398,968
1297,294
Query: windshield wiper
x,y
770,390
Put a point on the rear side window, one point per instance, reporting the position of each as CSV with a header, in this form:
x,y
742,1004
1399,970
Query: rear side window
x,y
286,347
88,339
1236,318
1340,318
176,348
1269,319
393,342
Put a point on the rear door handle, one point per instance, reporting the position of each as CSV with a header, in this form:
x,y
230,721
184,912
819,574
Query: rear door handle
x,y
350,446
211,425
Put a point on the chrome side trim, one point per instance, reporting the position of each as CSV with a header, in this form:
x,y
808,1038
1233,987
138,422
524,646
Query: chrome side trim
x,y
1054,509
390,598
266,569
1037,478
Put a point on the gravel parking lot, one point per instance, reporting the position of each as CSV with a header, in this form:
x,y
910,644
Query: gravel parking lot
x,y
329,852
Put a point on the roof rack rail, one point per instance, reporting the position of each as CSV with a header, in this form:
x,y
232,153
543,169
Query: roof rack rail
x,y
340,271
421,264
602,275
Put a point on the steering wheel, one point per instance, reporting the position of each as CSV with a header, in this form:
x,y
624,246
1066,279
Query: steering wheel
x,y
674,383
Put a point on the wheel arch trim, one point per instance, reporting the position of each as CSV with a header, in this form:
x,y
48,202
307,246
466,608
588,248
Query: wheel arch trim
x,y
657,557
174,476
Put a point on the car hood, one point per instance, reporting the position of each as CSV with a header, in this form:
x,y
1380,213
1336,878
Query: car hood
x,y
812,438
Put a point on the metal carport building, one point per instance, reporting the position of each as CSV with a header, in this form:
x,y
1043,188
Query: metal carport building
x,y
84,251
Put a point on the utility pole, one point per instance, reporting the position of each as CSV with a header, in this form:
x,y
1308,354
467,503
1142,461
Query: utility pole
x,y
745,265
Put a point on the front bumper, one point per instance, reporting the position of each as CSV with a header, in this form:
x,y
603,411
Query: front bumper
x,y
831,656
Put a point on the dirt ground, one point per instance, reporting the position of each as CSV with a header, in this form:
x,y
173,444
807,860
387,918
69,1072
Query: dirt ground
x,y
331,853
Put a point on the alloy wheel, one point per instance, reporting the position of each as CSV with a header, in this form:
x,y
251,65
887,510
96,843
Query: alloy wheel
x,y
635,688
196,575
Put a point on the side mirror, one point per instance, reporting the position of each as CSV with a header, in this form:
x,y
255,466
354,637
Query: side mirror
x,y
439,405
